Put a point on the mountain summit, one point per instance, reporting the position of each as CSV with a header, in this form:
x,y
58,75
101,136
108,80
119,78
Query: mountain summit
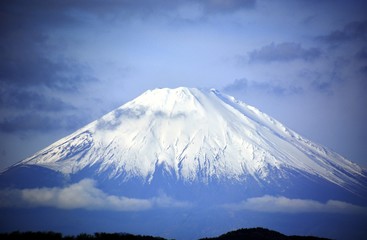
x,y
185,163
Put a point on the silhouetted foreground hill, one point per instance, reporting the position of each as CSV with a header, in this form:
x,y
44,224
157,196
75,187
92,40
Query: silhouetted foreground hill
x,y
241,234
259,234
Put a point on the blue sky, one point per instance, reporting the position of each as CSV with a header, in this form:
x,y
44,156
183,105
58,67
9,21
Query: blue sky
x,y
64,64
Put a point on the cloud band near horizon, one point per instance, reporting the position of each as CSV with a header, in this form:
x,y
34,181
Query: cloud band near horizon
x,y
281,204
86,195
82,195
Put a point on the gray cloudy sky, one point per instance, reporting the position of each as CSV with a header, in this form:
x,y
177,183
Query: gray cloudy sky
x,y
66,63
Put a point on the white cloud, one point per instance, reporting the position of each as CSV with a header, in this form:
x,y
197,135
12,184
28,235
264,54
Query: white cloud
x,y
84,195
287,205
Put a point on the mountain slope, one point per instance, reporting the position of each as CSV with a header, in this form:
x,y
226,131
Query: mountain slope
x,y
194,136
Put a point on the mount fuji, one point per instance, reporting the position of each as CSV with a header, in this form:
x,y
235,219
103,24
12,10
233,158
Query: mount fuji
x,y
185,163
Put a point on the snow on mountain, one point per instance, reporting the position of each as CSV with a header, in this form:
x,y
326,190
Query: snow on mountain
x,y
194,135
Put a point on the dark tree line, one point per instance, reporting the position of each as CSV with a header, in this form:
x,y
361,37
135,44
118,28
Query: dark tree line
x,y
82,236
241,234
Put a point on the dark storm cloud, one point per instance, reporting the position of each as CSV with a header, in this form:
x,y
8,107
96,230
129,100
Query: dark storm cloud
x,y
284,52
242,85
352,31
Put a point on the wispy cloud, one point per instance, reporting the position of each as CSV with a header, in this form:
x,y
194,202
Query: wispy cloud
x,y
350,32
284,52
362,54
82,195
243,85
35,72
36,122
222,6
282,204
24,99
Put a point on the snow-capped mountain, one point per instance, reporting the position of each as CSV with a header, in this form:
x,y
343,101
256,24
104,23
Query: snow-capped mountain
x,y
194,135
178,159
